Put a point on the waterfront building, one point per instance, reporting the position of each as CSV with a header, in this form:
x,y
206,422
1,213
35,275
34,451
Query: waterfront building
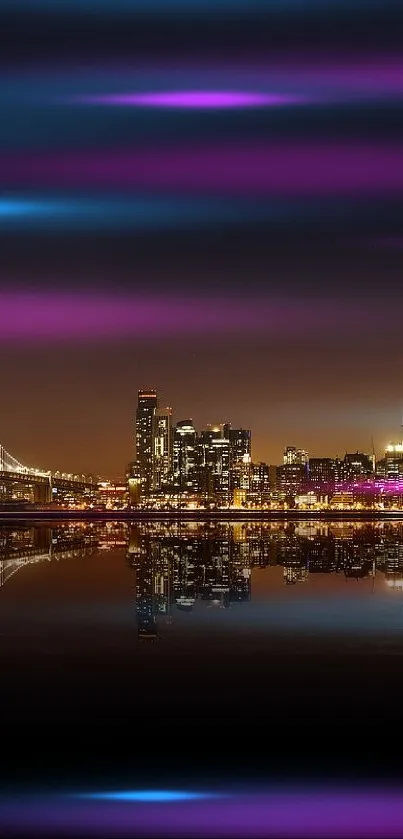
x,y
291,479
342,501
214,463
145,438
185,457
260,482
393,461
163,448
324,474
112,495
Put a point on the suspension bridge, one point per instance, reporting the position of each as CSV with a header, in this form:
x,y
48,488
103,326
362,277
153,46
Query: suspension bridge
x,y
43,483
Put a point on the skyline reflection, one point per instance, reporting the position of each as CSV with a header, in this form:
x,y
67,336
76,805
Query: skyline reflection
x,y
181,570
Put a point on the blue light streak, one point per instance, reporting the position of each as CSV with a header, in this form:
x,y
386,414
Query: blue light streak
x,y
152,212
116,212
149,796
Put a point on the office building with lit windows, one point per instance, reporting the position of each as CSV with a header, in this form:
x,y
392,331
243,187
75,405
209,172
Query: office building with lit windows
x,y
163,446
325,473
185,457
394,461
292,456
215,462
147,406
240,440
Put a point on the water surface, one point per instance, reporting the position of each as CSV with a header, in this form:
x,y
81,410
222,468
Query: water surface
x,y
193,651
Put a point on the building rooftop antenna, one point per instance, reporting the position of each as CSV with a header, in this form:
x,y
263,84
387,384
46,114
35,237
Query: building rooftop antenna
x,y
373,454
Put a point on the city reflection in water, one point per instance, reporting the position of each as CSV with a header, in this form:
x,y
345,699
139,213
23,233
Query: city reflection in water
x,y
178,567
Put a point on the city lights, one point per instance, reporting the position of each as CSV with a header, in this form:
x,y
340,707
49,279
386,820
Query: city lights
x,y
177,469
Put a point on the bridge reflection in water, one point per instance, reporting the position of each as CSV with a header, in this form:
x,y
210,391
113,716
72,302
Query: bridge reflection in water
x,y
20,547
177,564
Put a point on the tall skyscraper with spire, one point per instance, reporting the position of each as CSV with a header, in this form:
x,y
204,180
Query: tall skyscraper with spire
x,y
147,406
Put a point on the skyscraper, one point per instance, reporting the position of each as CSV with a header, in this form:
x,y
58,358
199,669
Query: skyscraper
x,y
185,473
162,447
240,443
215,461
145,437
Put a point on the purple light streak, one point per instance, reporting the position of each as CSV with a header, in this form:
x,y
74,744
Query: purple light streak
x,y
369,486
286,80
273,170
288,813
67,316
196,99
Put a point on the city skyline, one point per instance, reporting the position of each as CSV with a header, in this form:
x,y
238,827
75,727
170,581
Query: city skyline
x,y
175,465
263,444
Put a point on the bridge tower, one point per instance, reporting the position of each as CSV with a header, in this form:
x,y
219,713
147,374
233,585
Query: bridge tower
x,y
43,493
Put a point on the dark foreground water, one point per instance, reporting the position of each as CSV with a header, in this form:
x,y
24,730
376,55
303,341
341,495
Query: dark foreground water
x,y
201,656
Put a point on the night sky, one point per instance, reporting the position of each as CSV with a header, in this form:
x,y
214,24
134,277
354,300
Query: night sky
x,y
208,202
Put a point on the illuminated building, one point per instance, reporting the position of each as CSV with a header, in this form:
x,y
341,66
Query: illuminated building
x,y
273,476
394,461
309,501
145,433
240,440
185,457
134,483
215,462
324,474
260,482
240,465
113,496
163,444
357,465
291,478
342,500
239,498
292,455
220,448
357,473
